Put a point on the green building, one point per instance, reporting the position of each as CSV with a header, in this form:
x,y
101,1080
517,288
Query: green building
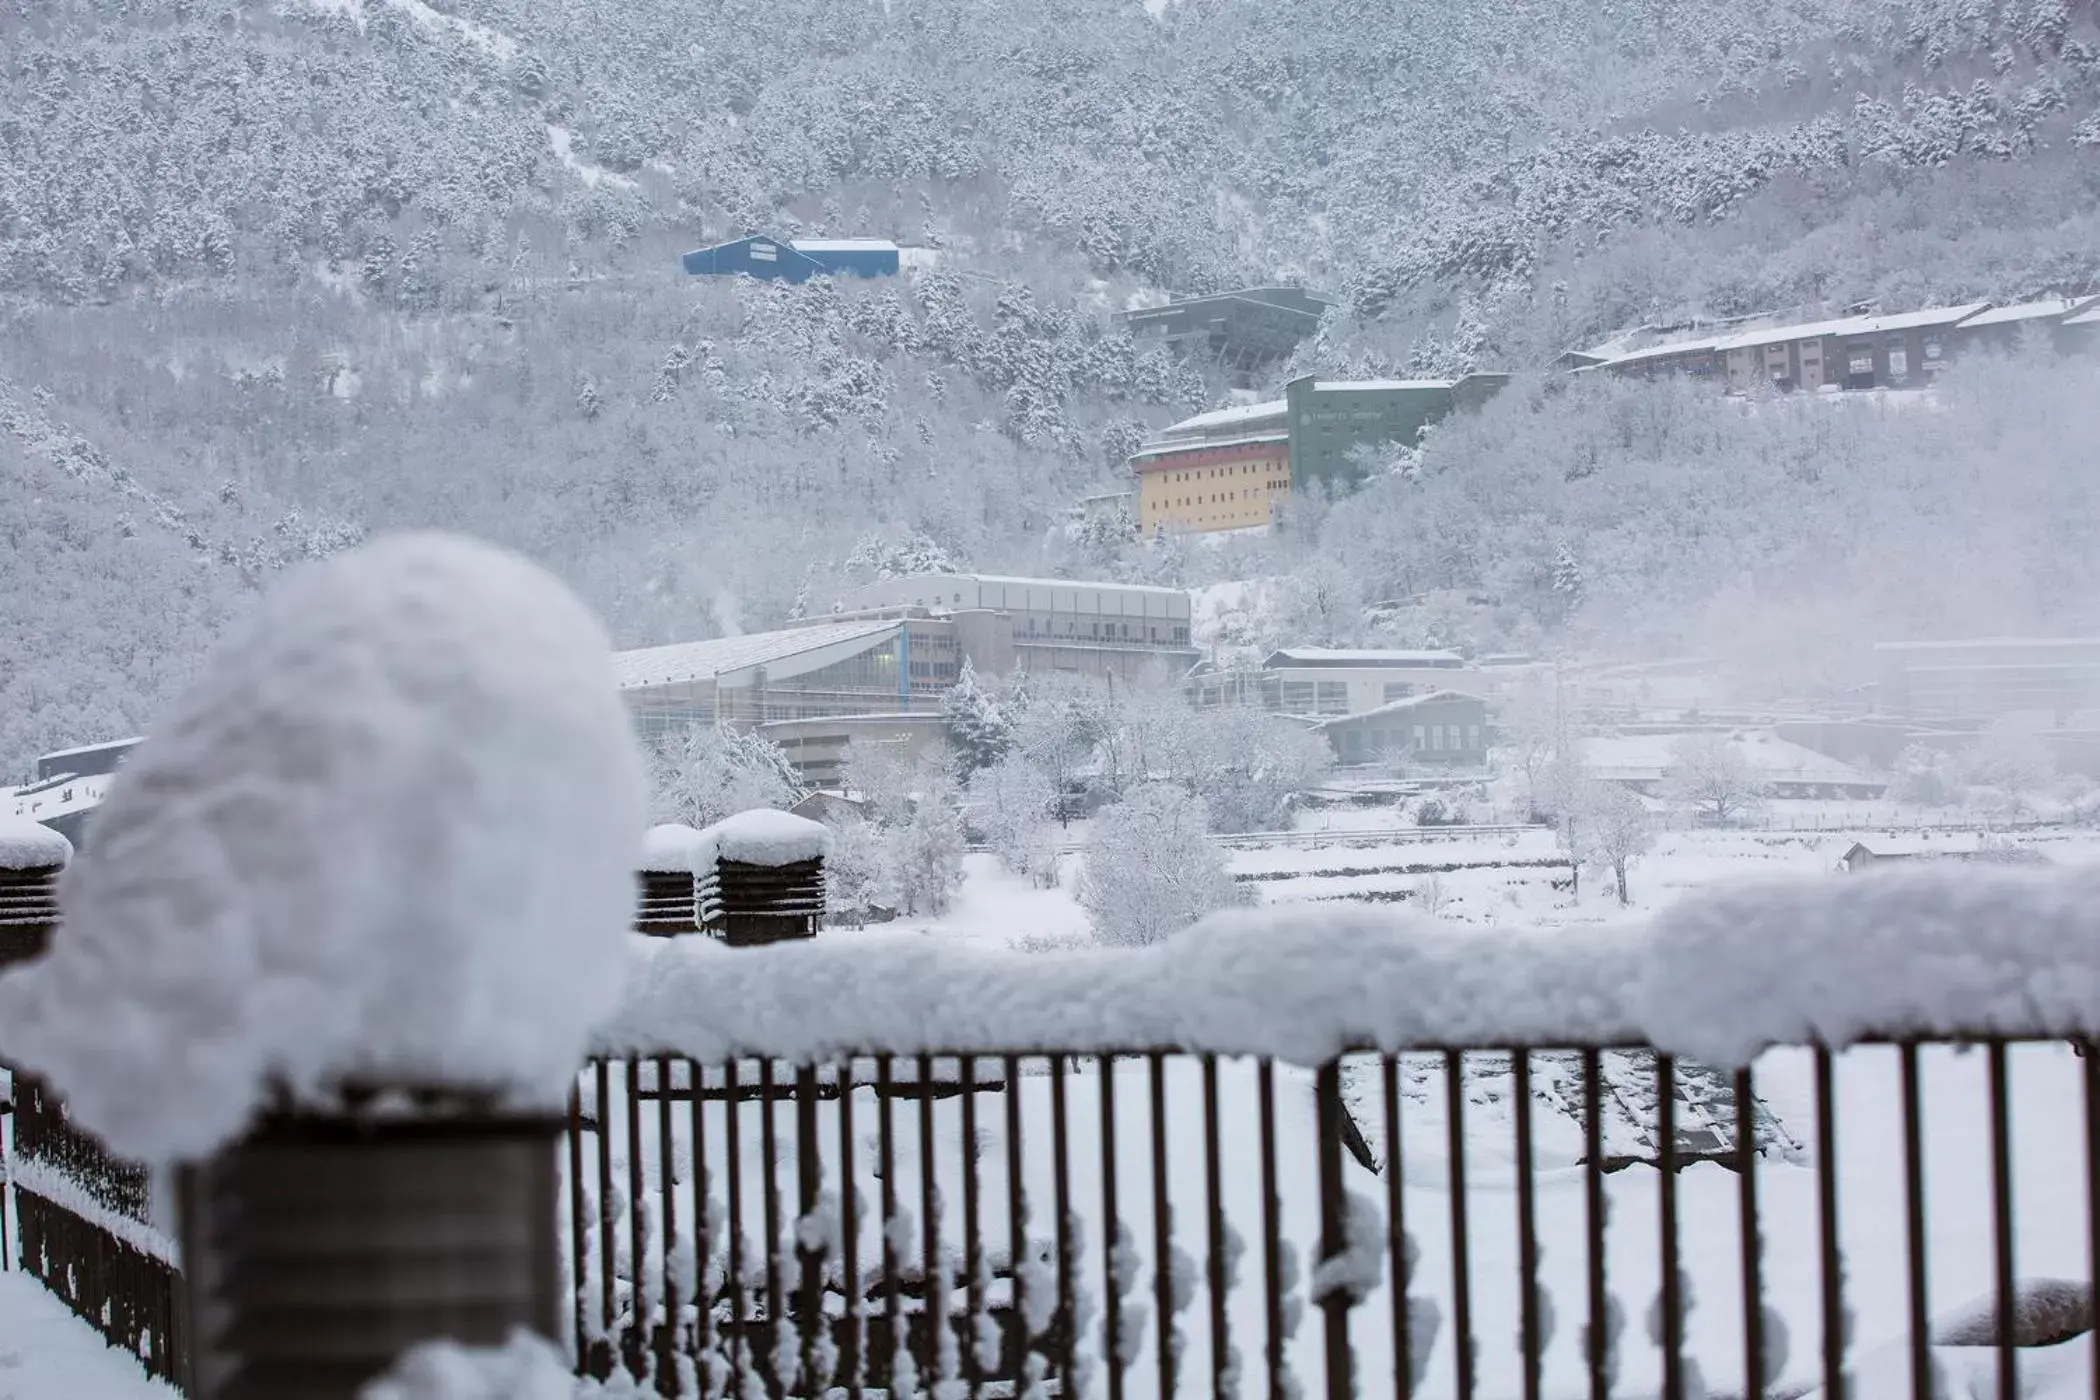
x,y
1329,419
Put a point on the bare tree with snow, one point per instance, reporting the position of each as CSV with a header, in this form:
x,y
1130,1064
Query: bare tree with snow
x,y
1710,774
1612,831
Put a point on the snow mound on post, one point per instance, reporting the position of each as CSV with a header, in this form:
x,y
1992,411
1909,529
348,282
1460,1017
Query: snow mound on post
x,y
387,836
523,1368
1895,953
28,845
769,837
674,849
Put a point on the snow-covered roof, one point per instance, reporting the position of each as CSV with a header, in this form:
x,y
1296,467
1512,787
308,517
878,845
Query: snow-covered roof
x,y
1366,385
1331,656
2043,309
1228,417
2088,317
703,661
1017,581
1393,707
842,245
1164,447
672,848
85,750
28,845
765,836
1852,325
1663,351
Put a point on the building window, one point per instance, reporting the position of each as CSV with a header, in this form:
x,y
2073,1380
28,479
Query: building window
x,y
1473,736
1397,690
1899,363
1420,743
1333,698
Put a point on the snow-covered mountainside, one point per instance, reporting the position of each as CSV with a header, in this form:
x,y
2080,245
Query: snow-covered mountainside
x,y
290,270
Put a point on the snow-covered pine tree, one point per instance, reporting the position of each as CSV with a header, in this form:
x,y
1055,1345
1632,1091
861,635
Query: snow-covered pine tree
x,y
980,731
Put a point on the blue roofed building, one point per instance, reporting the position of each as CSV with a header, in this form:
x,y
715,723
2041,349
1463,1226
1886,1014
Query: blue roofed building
x,y
795,260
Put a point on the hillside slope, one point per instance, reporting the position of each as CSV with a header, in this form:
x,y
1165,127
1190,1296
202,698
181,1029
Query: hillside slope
x,y
409,262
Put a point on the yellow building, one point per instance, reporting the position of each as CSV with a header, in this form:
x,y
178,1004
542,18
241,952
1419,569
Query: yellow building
x,y
1224,470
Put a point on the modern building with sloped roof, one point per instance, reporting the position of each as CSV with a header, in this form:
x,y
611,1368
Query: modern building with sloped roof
x,y
1246,330
795,260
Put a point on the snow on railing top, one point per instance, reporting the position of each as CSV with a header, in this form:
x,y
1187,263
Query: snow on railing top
x,y
768,837
674,849
1719,978
28,845
388,835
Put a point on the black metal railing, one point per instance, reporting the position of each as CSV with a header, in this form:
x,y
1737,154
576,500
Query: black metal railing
x,y
1158,1223
83,1229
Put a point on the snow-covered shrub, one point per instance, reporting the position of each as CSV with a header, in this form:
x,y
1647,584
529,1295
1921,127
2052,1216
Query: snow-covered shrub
x,y
1152,868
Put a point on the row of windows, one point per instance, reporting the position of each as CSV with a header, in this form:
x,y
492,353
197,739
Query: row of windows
x,y
1213,473
1427,738
1110,631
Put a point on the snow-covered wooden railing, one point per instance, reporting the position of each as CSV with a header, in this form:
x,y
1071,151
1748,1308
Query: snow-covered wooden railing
x,y
1133,1171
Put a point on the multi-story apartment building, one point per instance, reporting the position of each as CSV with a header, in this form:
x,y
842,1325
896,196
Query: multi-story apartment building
x,y
1236,467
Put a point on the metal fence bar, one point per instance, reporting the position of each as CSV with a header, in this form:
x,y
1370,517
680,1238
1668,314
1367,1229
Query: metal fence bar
x,y
733,1165
1751,1240
1597,1335
1216,1266
933,1266
1162,1229
1111,1235
2089,1063
1018,1249
1461,1278
776,1359
1396,1241
1831,1259
578,1224
853,1344
1672,1299
974,1364
1914,1225
811,1255
608,1266
634,1348
1271,1222
2002,1218
704,1300
1061,1165
892,1296
667,1338
1529,1338
1334,1225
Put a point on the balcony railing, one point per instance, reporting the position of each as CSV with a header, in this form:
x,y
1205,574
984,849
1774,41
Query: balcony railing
x,y
1326,1153
1156,1223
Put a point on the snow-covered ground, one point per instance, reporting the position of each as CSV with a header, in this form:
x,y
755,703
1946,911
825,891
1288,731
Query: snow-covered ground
x,y
45,1351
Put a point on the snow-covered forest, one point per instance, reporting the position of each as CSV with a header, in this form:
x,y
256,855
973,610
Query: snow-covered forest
x,y
275,274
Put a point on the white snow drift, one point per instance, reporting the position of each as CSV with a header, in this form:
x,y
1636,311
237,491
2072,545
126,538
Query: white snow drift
x,y
388,834
1718,977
